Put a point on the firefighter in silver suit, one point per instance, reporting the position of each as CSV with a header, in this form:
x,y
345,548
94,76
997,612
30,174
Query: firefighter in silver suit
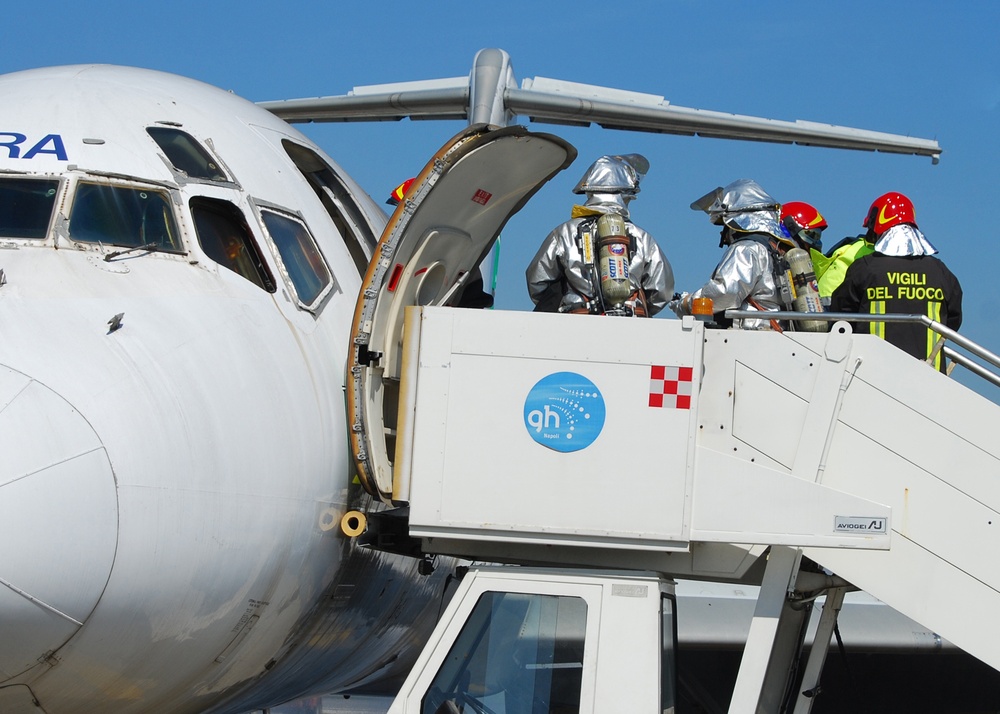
x,y
570,273
747,275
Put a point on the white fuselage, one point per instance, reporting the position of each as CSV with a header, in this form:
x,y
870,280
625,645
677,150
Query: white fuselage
x,y
172,480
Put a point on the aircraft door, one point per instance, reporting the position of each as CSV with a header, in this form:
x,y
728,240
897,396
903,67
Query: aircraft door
x,y
439,233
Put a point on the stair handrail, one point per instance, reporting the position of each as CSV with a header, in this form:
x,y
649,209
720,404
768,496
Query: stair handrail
x,y
947,334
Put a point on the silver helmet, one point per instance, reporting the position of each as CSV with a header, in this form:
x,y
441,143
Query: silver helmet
x,y
611,182
743,206
614,174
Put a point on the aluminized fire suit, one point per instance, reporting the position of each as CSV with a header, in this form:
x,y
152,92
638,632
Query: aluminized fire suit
x,y
559,277
745,276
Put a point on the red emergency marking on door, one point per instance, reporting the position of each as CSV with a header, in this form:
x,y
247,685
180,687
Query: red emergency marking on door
x,y
481,196
670,387
394,278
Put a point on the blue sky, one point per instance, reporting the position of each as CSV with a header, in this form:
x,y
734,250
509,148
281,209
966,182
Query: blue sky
x,y
929,69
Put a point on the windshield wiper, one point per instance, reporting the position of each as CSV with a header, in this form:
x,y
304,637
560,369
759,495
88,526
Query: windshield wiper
x,y
148,247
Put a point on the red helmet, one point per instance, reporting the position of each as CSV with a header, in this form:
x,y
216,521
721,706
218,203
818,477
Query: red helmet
x,y
804,222
398,193
889,210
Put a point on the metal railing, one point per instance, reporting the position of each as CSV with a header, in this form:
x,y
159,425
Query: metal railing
x,y
947,335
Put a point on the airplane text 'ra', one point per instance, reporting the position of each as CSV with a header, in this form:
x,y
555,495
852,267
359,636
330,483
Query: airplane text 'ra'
x,y
15,143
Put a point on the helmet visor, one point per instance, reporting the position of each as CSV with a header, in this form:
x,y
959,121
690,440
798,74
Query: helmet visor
x,y
812,237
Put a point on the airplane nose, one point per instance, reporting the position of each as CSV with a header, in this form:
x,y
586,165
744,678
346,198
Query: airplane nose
x,y
58,521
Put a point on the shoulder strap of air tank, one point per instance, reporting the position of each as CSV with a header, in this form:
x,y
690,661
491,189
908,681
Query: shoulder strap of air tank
x,y
630,228
779,268
586,231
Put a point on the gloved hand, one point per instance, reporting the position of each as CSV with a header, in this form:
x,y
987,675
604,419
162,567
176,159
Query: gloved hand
x,y
681,304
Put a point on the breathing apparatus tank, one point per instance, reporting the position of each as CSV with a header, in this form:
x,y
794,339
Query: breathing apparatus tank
x,y
805,290
613,258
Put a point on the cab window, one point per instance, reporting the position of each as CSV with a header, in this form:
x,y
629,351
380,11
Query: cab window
x,y
668,655
303,263
517,653
186,154
26,207
225,237
124,216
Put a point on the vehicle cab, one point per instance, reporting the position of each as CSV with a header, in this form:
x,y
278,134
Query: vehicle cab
x,y
518,640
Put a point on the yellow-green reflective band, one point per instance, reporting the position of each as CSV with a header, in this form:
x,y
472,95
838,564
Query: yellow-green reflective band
x,y
934,313
877,307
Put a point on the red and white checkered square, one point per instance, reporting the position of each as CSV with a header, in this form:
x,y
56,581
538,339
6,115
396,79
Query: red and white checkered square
x,y
670,387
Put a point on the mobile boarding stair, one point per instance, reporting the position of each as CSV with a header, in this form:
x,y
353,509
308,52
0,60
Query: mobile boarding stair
x,y
659,445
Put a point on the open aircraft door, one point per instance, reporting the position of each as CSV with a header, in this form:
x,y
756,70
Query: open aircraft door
x,y
438,235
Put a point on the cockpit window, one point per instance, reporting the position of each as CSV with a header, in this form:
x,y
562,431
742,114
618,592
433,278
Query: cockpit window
x,y
304,264
225,237
125,216
26,207
338,201
186,154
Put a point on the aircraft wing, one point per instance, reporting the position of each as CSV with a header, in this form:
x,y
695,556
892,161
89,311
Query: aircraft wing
x,y
490,95
433,99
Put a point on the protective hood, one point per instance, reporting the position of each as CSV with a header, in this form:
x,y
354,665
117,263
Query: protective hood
x,y
600,203
904,239
743,206
614,174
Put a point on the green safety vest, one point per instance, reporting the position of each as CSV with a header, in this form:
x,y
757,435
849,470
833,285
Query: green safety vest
x,y
830,271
